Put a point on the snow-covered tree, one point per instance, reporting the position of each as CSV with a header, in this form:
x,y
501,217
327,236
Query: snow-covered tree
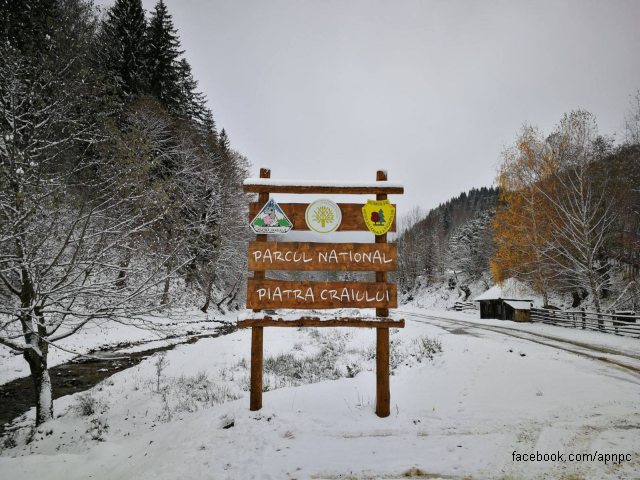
x,y
66,213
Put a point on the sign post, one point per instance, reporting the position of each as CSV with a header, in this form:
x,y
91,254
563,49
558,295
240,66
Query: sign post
x,y
323,216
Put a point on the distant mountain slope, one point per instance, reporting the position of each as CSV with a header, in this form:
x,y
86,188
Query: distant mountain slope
x,y
451,243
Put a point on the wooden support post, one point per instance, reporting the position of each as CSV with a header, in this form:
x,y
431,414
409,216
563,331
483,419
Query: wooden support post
x,y
383,392
257,333
256,368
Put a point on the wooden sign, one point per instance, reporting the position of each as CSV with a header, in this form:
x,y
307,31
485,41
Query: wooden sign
x,y
273,294
359,257
352,218
376,216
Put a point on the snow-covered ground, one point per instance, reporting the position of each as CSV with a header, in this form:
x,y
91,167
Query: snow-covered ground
x,y
111,334
461,414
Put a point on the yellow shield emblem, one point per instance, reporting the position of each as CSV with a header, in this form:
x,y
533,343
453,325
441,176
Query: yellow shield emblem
x,y
378,215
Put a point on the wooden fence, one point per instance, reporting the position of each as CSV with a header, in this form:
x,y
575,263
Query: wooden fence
x,y
616,323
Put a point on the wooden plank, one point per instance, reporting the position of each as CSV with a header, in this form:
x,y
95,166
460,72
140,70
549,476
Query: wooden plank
x,y
352,219
360,257
275,294
383,392
381,275
348,188
262,199
255,400
355,322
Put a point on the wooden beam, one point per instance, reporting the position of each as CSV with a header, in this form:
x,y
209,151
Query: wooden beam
x,y
361,257
347,188
255,400
255,394
352,219
383,391
275,294
355,322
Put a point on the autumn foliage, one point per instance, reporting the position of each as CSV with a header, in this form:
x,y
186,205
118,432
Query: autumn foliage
x,y
564,208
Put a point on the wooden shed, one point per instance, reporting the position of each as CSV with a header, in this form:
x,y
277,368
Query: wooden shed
x,y
493,304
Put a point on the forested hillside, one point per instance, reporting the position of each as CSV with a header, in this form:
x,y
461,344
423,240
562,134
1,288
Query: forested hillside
x,y
564,220
118,195
453,241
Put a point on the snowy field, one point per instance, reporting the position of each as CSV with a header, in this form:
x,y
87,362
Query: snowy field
x,y
460,412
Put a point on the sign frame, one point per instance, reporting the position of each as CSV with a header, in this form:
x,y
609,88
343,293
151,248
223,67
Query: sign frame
x,y
382,322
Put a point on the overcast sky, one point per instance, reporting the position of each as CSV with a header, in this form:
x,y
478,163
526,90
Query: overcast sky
x,y
429,90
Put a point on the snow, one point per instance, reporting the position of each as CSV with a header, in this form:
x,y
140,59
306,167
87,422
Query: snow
x,y
460,415
518,305
110,335
512,290
320,183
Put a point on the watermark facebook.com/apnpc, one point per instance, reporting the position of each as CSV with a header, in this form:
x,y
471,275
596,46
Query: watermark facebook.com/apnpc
x,y
595,457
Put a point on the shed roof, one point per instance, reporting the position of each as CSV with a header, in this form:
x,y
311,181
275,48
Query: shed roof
x,y
510,290
519,304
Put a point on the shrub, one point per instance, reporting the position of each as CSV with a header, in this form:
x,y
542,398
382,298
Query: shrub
x,y
87,405
426,347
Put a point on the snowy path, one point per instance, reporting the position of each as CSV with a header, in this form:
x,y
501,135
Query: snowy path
x,y
490,393
625,355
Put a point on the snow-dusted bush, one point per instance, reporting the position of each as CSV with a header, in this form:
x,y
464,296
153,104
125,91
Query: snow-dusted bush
x,y
192,393
426,347
87,404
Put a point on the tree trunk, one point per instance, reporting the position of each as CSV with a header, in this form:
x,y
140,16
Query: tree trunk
x,y
165,293
41,383
208,297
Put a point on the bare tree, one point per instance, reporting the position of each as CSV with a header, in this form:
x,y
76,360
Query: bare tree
x,y
66,213
631,126
584,206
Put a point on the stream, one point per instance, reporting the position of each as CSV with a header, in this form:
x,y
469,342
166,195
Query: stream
x,y
80,374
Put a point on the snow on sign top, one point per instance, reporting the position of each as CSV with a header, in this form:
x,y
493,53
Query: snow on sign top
x,y
267,185
320,183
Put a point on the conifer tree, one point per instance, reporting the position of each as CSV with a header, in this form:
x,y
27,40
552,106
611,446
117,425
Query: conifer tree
x,y
162,59
124,35
224,145
192,102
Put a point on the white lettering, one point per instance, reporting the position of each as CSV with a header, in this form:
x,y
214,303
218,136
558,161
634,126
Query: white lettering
x,y
262,292
277,293
309,294
345,293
